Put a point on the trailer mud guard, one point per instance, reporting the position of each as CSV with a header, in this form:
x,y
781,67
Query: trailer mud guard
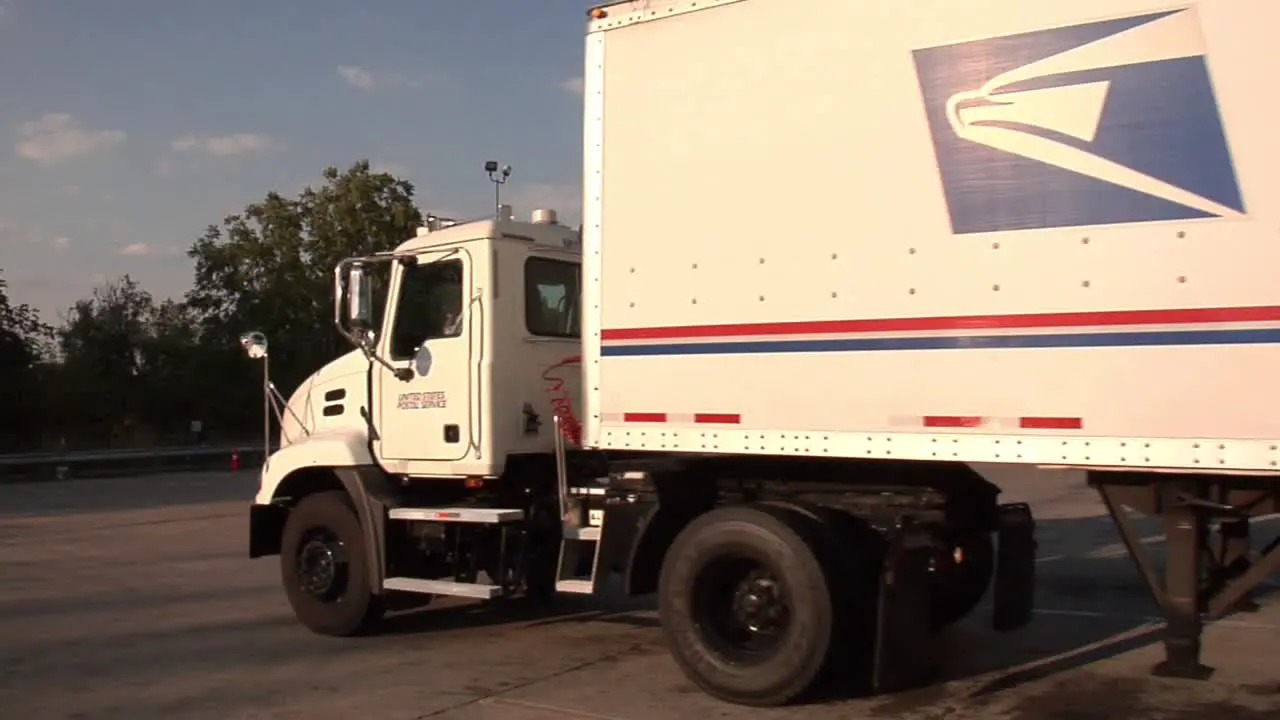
x,y
905,654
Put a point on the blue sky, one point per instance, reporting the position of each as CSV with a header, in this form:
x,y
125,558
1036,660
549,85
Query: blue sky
x,y
130,125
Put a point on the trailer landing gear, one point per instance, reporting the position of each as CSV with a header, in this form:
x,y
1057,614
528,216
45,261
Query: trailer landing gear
x,y
1209,569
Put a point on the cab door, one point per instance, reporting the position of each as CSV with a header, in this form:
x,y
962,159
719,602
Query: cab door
x,y
429,339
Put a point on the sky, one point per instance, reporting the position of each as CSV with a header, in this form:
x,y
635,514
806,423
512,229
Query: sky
x,y
131,125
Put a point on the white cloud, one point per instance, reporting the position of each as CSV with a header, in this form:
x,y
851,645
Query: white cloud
x,y
62,242
222,145
136,250
573,86
58,137
357,77
363,79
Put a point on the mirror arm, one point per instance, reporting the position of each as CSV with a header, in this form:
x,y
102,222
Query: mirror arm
x,y
403,374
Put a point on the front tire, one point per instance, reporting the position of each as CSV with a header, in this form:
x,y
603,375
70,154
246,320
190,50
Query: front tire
x,y
747,606
324,567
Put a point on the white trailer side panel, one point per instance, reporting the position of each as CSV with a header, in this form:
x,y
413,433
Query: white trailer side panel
x,y
981,230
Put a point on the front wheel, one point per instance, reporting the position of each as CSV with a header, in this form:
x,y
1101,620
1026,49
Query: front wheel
x,y
746,605
324,568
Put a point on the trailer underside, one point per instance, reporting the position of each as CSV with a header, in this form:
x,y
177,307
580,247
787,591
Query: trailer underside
x,y
1211,566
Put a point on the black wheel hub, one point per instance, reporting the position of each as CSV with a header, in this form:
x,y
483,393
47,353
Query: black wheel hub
x,y
322,566
757,603
741,609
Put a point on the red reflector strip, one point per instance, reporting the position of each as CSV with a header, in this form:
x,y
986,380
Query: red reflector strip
x,y
717,418
1050,423
952,421
644,417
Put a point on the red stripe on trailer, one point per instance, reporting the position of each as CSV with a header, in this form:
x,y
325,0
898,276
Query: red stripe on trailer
x,y
644,417
967,324
717,418
952,421
1051,423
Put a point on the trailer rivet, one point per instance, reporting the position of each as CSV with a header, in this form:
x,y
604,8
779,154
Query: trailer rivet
x,y
1084,284
995,246
1182,278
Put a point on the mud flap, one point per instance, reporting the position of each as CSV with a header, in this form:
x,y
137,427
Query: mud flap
x,y
1013,592
905,652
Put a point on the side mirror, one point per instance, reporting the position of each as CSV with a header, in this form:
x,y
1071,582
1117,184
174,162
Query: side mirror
x,y
359,298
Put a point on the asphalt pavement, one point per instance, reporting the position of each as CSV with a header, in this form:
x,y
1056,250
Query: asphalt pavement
x,y
132,598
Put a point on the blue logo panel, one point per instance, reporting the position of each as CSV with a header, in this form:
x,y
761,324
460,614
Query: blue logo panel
x,y
1096,124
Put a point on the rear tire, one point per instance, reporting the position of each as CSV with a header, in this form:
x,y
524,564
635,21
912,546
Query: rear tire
x,y
324,567
964,585
742,574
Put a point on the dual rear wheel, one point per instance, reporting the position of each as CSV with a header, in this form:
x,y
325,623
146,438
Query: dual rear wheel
x,y
760,603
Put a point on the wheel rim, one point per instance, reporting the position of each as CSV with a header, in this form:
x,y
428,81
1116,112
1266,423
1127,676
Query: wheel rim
x,y
741,609
322,565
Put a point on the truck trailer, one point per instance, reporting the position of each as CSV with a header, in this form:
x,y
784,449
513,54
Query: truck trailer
x,y
832,254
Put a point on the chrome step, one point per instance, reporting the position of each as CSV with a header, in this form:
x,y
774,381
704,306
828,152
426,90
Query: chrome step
x,y
442,587
489,516
577,587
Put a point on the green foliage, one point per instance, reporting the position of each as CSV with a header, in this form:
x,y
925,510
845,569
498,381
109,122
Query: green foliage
x,y
132,370
24,341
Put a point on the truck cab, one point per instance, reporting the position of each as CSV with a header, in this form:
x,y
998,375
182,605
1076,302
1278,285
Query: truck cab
x,y
468,343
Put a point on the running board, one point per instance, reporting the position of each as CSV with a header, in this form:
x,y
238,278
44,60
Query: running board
x,y
442,587
484,516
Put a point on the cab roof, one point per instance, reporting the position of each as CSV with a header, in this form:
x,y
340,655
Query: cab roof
x,y
548,235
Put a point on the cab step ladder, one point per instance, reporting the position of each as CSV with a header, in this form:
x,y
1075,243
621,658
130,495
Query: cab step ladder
x,y
469,515
576,540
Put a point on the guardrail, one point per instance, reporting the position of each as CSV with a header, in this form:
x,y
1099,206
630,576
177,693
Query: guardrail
x,y
27,467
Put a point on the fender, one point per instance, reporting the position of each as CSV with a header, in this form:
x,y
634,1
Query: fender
x,y
346,456
636,537
335,449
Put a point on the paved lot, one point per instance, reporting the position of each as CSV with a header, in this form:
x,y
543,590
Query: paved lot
x,y
132,599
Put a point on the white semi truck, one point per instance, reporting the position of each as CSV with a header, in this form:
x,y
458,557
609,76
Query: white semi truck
x,y
832,253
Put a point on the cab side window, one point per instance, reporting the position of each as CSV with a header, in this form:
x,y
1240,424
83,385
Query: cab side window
x,y
429,307
552,294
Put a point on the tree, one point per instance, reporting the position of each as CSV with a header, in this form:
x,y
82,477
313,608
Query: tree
x,y
270,267
24,342
101,388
